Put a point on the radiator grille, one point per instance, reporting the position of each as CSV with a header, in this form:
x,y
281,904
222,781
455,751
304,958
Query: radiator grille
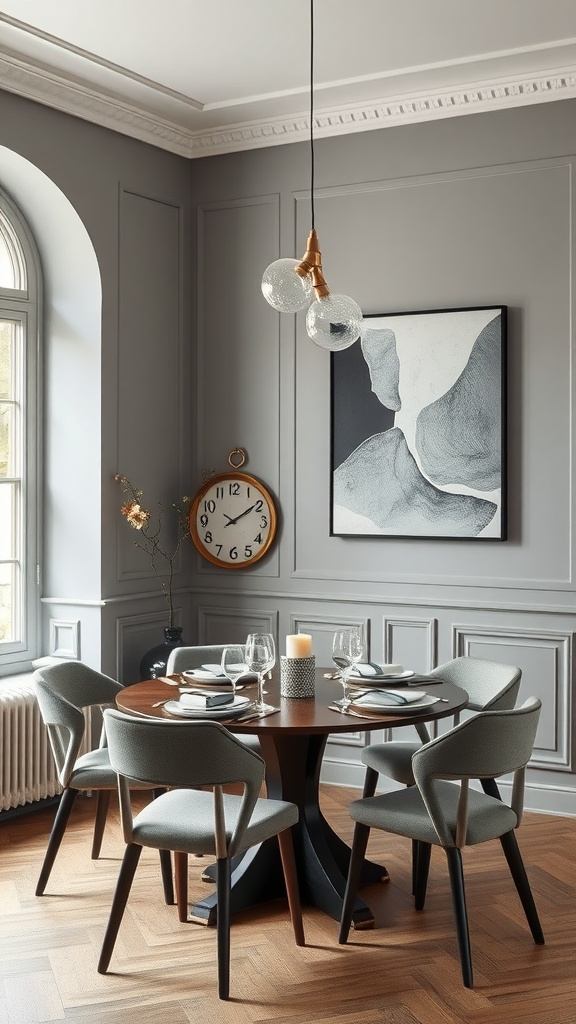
x,y
27,769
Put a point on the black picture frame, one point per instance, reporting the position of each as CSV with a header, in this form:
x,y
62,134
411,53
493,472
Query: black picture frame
x,y
418,427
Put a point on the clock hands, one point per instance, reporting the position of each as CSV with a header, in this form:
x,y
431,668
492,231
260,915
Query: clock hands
x,y
236,518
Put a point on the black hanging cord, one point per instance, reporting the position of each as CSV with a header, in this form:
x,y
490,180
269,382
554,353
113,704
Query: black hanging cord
x,y
312,218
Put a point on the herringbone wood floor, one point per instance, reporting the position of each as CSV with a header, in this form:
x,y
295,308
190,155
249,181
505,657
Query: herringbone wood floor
x,y
405,971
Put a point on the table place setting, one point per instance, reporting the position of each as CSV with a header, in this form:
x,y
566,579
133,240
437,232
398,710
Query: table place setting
x,y
213,675
382,675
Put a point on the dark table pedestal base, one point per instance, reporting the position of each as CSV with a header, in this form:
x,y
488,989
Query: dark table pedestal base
x,y
293,766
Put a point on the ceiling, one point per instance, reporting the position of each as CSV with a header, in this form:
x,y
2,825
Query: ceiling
x,y
199,78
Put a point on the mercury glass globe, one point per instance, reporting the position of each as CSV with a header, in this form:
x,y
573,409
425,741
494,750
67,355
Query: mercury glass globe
x,y
334,322
284,289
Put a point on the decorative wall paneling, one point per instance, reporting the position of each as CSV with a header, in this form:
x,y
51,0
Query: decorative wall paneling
x,y
238,397
64,638
233,624
479,215
526,207
151,386
546,660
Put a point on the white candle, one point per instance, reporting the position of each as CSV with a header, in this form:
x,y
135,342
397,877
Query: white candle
x,y
299,645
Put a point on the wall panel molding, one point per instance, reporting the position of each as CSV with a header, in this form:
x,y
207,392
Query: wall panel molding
x,y
422,635
546,660
220,625
64,638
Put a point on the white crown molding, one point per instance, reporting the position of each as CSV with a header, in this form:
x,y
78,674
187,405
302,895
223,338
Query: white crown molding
x,y
45,86
56,91
426,105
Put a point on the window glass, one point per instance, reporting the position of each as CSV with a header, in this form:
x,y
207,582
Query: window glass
x,y
6,602
6,338
12,261
20,440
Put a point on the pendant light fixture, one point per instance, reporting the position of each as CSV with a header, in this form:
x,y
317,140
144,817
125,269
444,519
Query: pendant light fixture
x,y
333,322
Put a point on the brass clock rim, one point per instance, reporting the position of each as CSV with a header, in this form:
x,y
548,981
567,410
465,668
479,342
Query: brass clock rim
x,y
246,478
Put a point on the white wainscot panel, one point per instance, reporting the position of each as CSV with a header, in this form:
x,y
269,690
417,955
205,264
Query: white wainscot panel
x,y
545,658
232,625
64,638
410,642
322,629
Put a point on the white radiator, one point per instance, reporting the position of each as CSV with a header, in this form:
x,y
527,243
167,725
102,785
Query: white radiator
x,y
27,769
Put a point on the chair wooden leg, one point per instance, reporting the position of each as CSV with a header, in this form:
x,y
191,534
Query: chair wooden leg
x,y
370,780
67,801
167,879
423,851
491,788
166,865
123,886
102,805
359,844
286,845
181,877
223,926
518,872
454,858
414,864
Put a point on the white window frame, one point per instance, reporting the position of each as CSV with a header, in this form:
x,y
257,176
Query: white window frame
x,y
25,306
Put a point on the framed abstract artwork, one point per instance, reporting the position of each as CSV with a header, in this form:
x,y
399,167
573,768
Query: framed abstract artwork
x,y
418,432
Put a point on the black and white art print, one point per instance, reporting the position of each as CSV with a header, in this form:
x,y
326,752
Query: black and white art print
x,y
418,427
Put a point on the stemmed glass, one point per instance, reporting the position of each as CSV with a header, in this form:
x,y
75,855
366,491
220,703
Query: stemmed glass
x,y
233,664
346,652
260,658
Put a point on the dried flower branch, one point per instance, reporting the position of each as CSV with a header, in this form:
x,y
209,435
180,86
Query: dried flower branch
x,y
141,519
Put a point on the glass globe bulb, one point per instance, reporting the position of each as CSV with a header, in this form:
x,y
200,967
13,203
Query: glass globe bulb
x,y
334,322
284,289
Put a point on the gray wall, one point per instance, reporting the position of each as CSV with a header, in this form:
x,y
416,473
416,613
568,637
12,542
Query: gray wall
x,y
162,357
462,212
111,217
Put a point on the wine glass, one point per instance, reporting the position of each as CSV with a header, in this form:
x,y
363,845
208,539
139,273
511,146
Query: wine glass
x,y
233,663
260,658
346,652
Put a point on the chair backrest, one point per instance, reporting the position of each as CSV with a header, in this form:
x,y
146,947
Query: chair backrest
x,y
486,746
183,755
183,658
63,691
490,685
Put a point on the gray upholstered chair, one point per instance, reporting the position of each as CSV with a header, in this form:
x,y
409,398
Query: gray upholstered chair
x,y
183,658
436,811
180,660
489,685
193,820
64,690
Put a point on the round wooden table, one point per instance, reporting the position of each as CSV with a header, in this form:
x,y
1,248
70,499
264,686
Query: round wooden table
x,y
292,743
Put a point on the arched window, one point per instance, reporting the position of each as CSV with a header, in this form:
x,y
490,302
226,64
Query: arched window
x,y
20,441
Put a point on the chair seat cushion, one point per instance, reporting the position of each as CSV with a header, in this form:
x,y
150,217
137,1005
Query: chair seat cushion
x,y
403,812
392,759
183,820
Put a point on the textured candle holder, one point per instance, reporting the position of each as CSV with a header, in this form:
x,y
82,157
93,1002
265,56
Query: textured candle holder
x,y
297,676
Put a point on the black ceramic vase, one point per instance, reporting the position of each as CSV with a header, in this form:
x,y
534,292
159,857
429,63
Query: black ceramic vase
x,y
154,662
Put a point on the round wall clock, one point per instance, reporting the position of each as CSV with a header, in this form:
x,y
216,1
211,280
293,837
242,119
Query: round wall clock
x,y
233,517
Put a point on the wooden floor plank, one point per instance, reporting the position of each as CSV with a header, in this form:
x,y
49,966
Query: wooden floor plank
x,y
404,971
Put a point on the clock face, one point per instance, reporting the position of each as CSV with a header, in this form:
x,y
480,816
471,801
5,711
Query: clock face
x,y
233,520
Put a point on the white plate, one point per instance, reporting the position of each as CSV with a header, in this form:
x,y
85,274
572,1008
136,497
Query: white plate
x,y
238,705
426,702
202,676
365,681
